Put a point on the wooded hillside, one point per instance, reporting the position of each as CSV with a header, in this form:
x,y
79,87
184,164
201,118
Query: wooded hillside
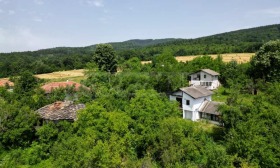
x,y
67,58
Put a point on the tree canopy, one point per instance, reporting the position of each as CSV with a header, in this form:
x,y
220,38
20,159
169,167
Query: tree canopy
x,y
105,58
266,63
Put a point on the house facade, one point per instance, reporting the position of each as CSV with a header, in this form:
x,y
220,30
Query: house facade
x,y
196,104
205,77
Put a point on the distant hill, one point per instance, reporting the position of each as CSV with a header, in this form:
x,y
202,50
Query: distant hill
x,y
258,34
137,43
246,40
66,58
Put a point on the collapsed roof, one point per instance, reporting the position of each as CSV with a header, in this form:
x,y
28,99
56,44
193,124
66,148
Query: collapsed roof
x,y
60,110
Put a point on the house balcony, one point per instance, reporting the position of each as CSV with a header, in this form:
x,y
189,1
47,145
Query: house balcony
x,y
194,82
201,83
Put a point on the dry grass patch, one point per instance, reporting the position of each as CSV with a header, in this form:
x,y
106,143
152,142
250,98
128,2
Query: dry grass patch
x,y
239,57
62,74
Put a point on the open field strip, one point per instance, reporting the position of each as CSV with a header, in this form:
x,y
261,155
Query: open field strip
x,y
239,57
62,74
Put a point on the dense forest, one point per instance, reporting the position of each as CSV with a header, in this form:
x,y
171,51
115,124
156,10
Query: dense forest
x,y
130,122
66,58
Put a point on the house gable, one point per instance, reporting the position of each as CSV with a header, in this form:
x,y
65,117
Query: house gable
x,y
205,77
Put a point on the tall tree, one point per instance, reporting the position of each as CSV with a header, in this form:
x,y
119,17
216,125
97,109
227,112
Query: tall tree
x,y
105,58
266,63
25,83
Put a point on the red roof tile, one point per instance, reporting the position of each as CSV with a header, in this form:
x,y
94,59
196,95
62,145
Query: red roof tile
x,y
3,82
48,88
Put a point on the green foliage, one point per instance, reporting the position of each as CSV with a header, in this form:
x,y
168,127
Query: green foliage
x,y
251,134
273,93
167,73
266,63
16,126
25,83
129,121
233,73
131,65
105,58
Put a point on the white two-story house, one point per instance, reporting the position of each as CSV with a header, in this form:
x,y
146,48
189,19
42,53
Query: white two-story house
x,y
196,104
205,77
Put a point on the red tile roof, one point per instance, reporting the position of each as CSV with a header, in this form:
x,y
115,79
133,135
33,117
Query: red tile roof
x,y
3,82
48,88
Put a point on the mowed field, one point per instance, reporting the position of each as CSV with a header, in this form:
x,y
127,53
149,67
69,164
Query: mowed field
x,y
239,57
74,75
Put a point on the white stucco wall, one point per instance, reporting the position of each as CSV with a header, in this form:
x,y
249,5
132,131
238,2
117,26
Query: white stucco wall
x,y
208,78
175,95
194,105
171,97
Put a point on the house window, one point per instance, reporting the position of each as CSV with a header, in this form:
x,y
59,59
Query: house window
x,y
187,102
207,116
204,76
205,83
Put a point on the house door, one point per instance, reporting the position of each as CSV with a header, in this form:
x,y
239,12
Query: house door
x,y
198,77
188,114
179,100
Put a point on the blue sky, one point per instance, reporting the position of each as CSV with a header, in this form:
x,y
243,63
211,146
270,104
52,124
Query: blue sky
x,y
38,24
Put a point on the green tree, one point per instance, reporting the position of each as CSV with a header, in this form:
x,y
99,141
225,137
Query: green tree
x,y
266,62
25,83
105,58
251,132
131,65
17,125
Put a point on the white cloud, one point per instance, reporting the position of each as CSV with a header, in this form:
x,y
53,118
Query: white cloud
x,y
11,12
39,2
96,3
23,39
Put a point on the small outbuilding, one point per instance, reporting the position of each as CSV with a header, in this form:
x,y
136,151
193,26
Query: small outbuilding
x,y
60,110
